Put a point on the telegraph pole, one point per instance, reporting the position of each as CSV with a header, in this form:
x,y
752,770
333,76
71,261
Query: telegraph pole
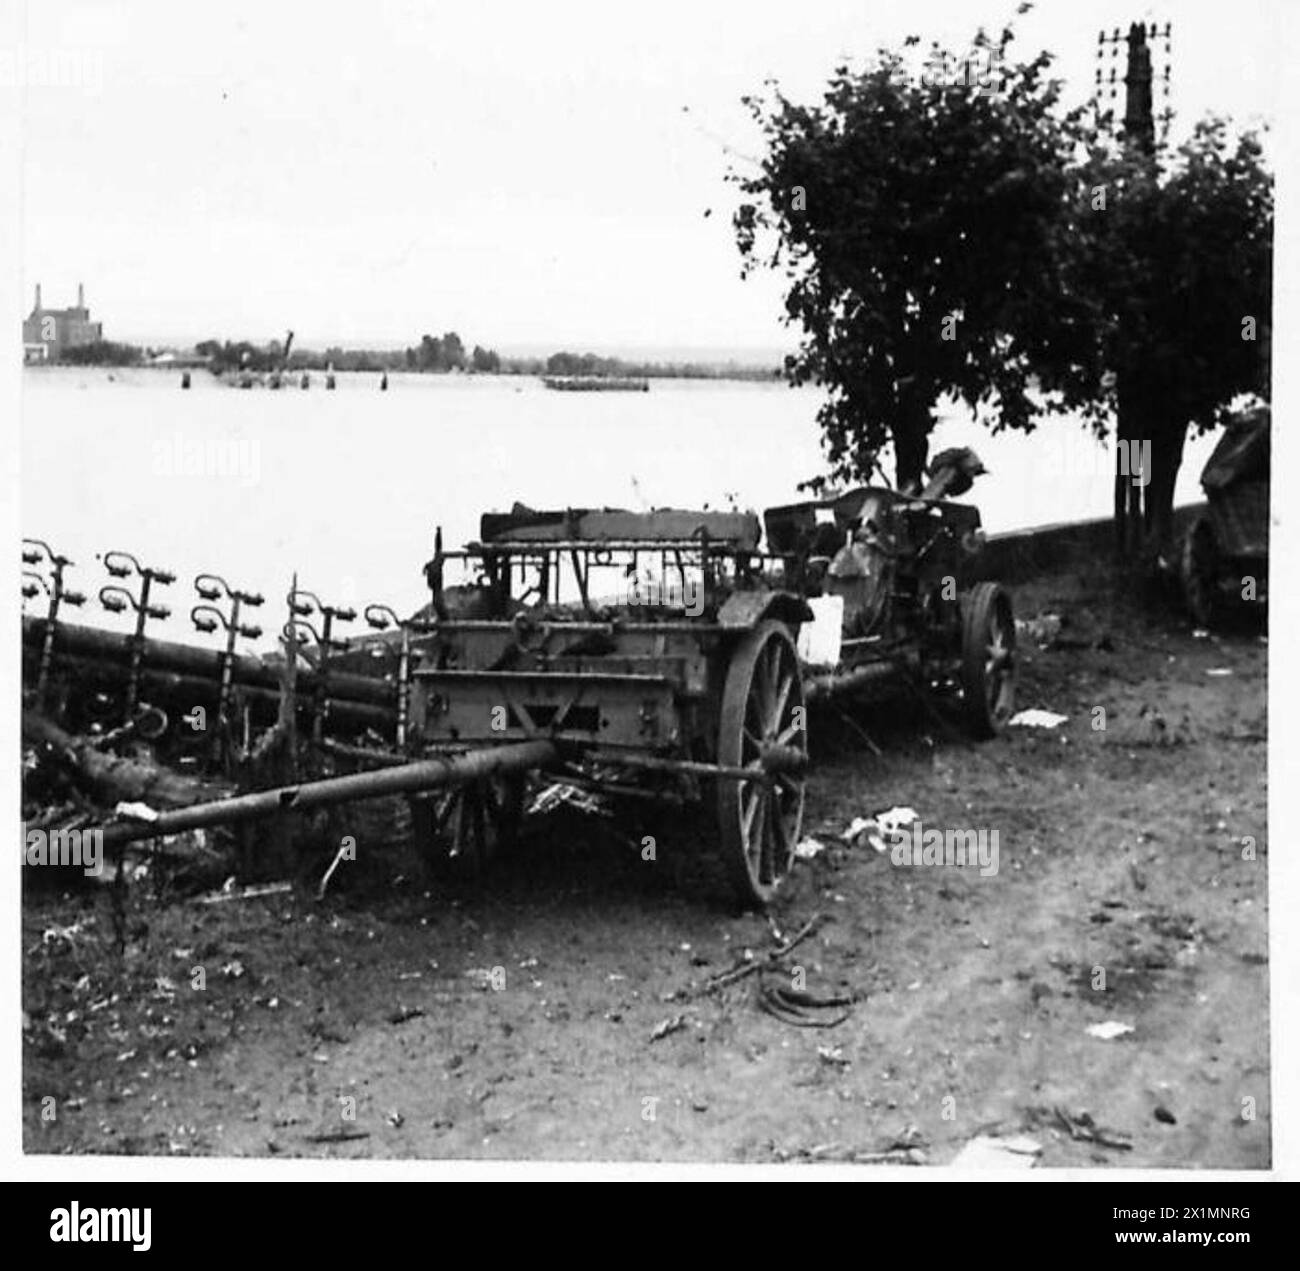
x,y
1141,83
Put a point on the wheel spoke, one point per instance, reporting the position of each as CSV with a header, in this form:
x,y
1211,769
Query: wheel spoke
x,y
787,735
780,833
749,810
758,846
782,700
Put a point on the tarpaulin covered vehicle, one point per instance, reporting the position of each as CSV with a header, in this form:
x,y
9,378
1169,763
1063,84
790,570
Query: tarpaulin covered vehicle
x,y
1225,551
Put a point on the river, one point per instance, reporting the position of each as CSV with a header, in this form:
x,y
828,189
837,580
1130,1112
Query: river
x,y
346,487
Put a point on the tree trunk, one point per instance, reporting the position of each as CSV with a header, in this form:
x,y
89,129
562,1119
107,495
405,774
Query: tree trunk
x,y
911,435
1131,427
1167,443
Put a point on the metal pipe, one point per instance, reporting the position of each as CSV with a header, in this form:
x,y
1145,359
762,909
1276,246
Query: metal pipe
x,y
819,687
718,546
181,693
775,760
248,669
427,774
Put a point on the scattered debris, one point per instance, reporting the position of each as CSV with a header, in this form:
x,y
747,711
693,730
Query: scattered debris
x,y
985,1152
752,964
876,831
403,1013
907,1148
1218,670
1111,1029
1037,719
666,1028
245,893
343,851
1042,630
135,811
808,848
1149,727
1163,1114
1081,1127
337,1136
561,793
833,1055
794,1006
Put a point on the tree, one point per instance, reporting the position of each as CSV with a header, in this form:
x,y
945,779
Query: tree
x,y
485,361
453,352
102,353
917,219
430,354
1175,265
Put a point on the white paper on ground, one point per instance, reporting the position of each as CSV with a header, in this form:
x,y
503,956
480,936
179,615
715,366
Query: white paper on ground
x,y
1038,719
983,1152
1110,1029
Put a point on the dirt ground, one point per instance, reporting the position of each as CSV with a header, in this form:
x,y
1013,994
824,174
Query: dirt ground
x,y
1120,849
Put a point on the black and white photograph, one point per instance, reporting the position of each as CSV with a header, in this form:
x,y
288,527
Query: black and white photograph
x,y
646,589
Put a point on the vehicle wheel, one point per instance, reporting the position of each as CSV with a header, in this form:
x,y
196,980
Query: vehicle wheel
x,y
988,659
472,824
762,706
1201,573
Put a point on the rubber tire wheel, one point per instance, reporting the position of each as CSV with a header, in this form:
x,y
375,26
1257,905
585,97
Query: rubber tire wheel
x,y
1200,574
987,706
752,885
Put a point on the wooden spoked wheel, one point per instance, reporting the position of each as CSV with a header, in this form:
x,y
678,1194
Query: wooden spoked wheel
x,y
988,659
762,709
472,824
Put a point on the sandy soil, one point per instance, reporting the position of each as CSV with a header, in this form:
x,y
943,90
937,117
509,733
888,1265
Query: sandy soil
x,y
1120,849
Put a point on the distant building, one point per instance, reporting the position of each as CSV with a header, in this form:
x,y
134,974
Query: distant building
x,y
48,332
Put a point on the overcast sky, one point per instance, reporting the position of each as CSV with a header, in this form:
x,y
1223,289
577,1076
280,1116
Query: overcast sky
x,y
523,173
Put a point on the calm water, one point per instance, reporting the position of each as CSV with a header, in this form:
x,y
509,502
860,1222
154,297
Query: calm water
x,y
347,487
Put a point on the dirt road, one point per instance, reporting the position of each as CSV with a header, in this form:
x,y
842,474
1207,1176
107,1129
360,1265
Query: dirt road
x,y
516,1019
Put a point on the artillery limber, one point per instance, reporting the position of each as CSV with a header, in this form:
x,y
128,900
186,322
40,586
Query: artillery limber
x,y
650,649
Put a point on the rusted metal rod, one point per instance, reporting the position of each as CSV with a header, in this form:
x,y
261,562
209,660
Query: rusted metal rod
x,y
427,774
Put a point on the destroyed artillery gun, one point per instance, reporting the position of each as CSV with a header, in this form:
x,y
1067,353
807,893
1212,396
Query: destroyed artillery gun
x,y
890,577
666,655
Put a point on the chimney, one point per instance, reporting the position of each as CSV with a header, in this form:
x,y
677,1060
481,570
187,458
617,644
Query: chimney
x,y
38,295
81,296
